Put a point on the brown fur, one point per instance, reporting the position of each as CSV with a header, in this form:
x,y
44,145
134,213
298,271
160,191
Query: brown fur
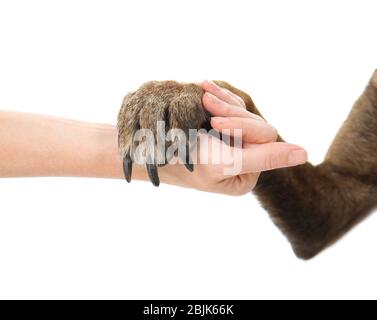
x,y
155,101
312,205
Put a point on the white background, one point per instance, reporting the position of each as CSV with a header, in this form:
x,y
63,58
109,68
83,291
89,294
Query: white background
x,y
304,63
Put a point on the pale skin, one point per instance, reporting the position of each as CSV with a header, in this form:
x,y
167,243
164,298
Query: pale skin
x,y
37,145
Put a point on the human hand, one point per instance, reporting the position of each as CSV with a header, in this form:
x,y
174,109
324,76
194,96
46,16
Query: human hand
x,y
259,152
48,152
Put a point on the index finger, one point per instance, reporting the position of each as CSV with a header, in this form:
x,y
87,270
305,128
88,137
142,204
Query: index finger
x,y
217,107
222,93
253,131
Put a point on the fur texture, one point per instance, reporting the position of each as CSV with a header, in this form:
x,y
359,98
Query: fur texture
x,y
312,205
178,104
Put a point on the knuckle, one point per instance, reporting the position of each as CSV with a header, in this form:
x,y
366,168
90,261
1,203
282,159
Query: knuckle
x,y
243,191
243,185
274,133
252,185
271,162
228,110
236,192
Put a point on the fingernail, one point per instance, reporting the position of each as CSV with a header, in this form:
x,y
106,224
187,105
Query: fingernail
x,y
297,157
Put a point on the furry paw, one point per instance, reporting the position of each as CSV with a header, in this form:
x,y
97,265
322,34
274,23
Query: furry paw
x,y
146,119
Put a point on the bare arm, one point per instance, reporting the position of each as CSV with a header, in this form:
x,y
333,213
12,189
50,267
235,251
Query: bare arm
x,y
38,145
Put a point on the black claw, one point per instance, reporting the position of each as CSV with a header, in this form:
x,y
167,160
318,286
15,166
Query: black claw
x,y
127,167
189,166
187,161
152,172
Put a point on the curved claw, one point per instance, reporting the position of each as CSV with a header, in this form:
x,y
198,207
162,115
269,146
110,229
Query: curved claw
x,y
187,161
127,167
152,172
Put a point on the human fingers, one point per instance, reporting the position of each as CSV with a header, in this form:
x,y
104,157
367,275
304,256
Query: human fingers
x,y
218,107
251,130
240,184
222,93
269,156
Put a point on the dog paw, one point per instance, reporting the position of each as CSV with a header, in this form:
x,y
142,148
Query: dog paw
x,y
146,120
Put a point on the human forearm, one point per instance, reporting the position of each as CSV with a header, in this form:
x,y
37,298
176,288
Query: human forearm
x,y
38,145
